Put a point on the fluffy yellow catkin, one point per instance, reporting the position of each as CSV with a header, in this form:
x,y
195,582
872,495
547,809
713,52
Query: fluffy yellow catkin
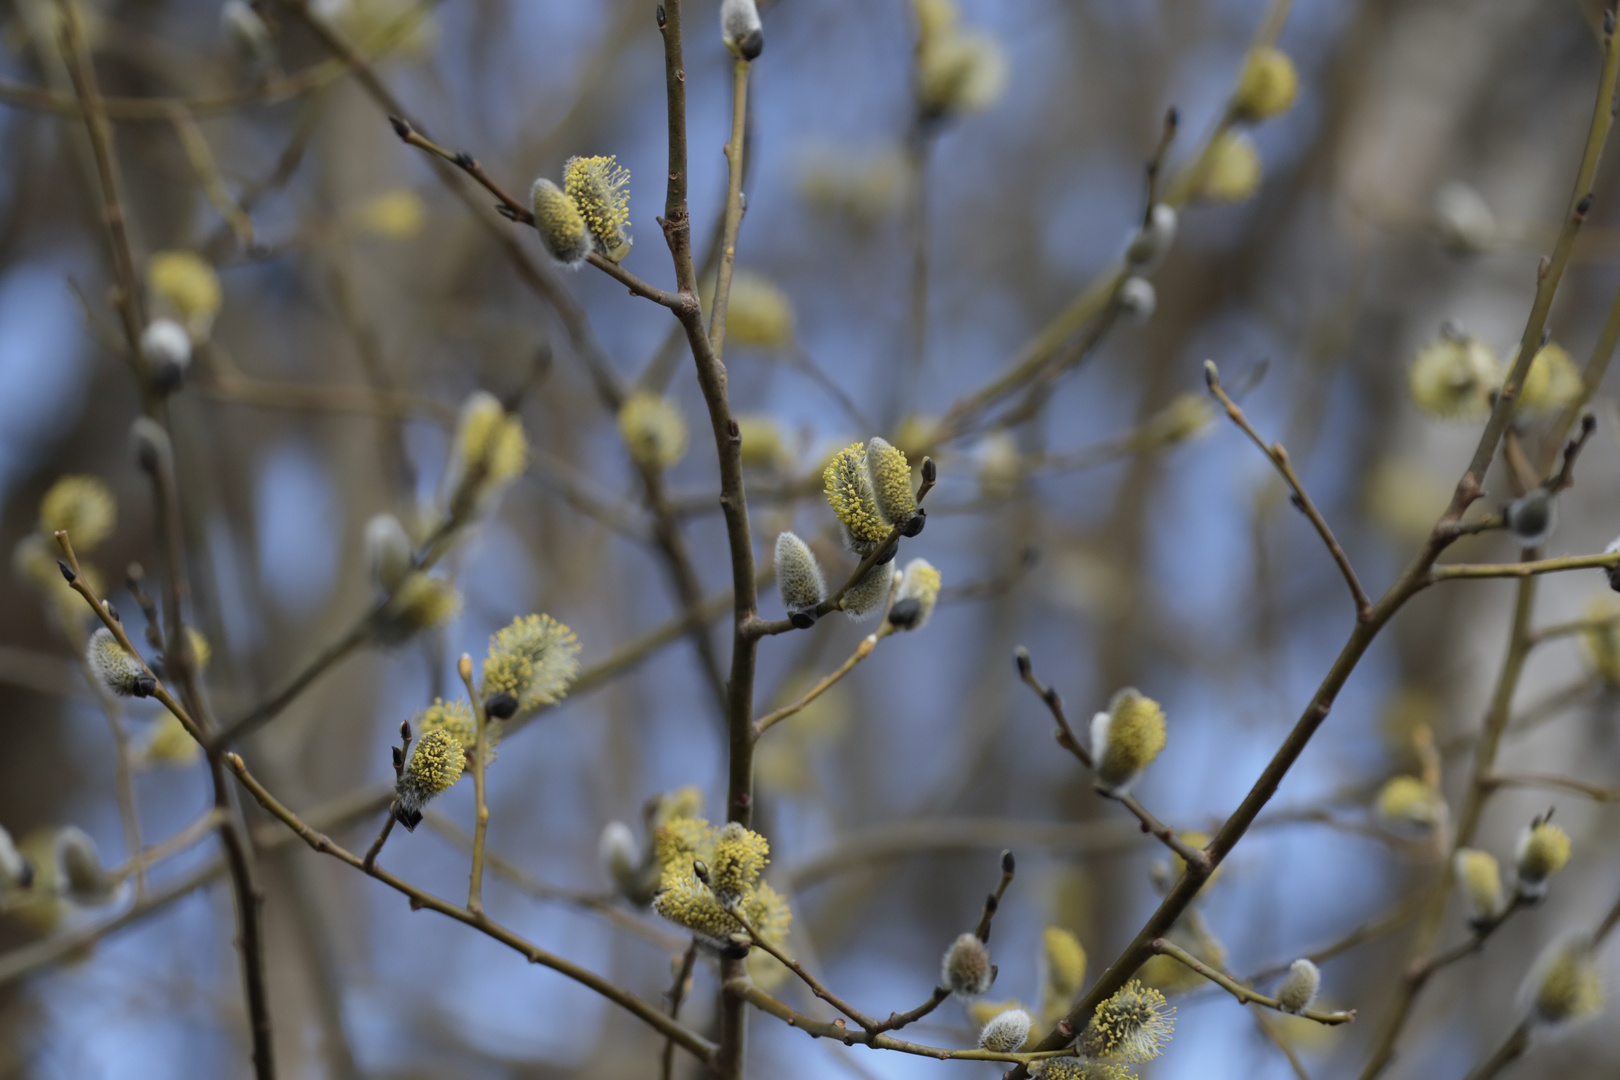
x,y
685,900
891,481
1454,377
1543,851
758,314
1232,170
1133,1025
420,603
560,224
958,71
1063,973
966,969
534,659
435,765
1269,85
117,669
1566,985
1407,800
599,187
81,505
1126,739
1481,880
1553,381
653,430
849,493
186,284
1069,1068
488,452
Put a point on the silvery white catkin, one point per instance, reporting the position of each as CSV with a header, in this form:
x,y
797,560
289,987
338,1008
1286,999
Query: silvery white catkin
x,y
1299,987
798,576
617,850
1138,299
740,28
1006,1031
388,551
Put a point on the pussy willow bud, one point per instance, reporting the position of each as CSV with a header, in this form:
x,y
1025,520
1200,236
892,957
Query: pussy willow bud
x,y
1543,851
740,28
739,855
184,283
1463,218
1298,989
15,871
798,578
421,602
1133,1025
891,481
758,314
1481,882
966,970
435,765
1006,1032
1125,740
958,72
1407,800
488,452
118,670
867,596
916,596
1138,299
150,444
1149,246
166,348
388,551
560,224
1611,574
82,875
620,856
1565,985
1269,85
1553,382
850,493
1532,517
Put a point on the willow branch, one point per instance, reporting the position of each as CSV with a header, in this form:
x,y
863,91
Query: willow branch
x,y
1244,994
862,651
480,756
734,207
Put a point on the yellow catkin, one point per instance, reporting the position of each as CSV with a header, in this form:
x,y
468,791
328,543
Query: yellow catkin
x,y
1543,851
1063,973
1553,382
959,72
981,1012
186,283
763,443
1602,639
1269,85
891,481
758,314
734,854
849,493
420,603
170,743
654,430
1126,739
489,451
1232,169
600,188
1133,1025
1568,986
83,506
1455,377
436,764
1407,800
534,659
395,214
1480,879
559,222
919,582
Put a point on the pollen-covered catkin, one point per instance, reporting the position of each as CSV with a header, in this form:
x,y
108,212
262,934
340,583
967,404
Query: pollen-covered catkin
x,y
435,765
850,494
1481,880
388,551
119,670
653,430
1133,1025
1125,740
599,188
798,575
1299,986
740,28
891,481
488,452
1543,851
184,283
83,507
1006,1032
534,659
1407,800
1565,984
966,969
560,224
739,856
1454,377
1268,87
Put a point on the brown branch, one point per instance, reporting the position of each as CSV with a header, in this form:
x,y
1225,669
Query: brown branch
x,y
1551,782
1244,994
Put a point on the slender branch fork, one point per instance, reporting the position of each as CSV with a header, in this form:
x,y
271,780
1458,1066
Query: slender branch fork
x,y
1244,994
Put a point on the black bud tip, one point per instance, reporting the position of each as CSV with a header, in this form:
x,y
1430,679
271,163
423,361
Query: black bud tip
x,y
915,523
165,378
67,571
405,730
399,758
930,471
465,160
887,557
663,18
733,429
144,685
111,610
904,615
25,876
1588,424
735,950
1613,573
802,620
402,128
1172,118
1021,657
991,903
1008,863
408,818
700,870
751,46
501,706
1585,205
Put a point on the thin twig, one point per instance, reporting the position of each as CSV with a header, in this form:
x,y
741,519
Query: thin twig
x,y
862,651
480,756
1244,994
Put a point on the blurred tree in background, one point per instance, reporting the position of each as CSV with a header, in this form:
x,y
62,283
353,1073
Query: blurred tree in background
x,y
304,372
